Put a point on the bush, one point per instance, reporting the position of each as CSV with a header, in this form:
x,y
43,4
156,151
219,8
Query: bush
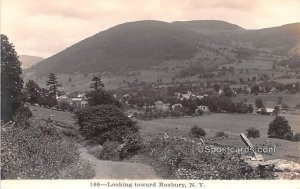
x,y
133,143
252,132
104,123
296,137
95,150
284,106
197,132
221,134
66,106
110,151
22,116
280,128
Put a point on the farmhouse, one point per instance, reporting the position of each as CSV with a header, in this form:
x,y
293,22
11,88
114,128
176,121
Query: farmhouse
x,y
266,111
202,108
187,95
79,102
200,97
161,106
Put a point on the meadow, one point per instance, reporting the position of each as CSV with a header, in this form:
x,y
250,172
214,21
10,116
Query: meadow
x,y
270,100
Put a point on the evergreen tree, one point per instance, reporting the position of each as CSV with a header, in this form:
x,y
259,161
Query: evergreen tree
x,y
53,91
32,92
99,96
96,83
11,81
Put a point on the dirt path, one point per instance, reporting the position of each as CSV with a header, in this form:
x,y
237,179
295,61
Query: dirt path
x,y
117,170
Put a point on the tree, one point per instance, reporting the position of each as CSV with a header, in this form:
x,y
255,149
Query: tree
x,y
280,128
96,83
99,96
276,110
279,100
259,103
252,132
33,92
53,85
228,92
11,81
216,87
255,89
105,123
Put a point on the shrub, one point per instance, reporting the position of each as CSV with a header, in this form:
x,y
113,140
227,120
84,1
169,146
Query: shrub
x,y
284,106
110,151
252,132
221,134
22,116
280,128
95,150
197,132
133,143
70,133
104,123
296,137
66,106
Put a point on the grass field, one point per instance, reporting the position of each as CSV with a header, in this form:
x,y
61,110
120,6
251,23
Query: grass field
x,y
231,123
270,100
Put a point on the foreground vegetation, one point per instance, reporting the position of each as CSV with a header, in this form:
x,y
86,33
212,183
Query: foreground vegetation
x,y
37,149
181,158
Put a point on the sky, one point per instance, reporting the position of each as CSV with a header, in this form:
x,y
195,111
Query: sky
x,y
46,27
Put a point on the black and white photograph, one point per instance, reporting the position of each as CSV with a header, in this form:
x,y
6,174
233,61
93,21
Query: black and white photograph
x,y
165,91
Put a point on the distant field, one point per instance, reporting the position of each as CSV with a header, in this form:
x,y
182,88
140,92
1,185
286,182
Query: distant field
x,y
232,123
270,100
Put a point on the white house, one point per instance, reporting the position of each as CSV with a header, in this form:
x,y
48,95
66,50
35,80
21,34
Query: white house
x,y
200,97
161,106
79,102
269,111
187,95
202,108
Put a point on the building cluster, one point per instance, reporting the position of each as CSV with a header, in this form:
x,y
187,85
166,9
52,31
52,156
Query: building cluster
x,y
78,101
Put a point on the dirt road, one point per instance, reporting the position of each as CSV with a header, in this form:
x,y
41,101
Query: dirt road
x,y
117,170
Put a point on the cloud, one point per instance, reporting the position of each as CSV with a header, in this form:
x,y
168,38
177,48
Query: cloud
x,y
43,28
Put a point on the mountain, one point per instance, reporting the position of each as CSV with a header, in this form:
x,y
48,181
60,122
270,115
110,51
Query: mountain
x,y
128,46
28,61
208,25
145,44
281,36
